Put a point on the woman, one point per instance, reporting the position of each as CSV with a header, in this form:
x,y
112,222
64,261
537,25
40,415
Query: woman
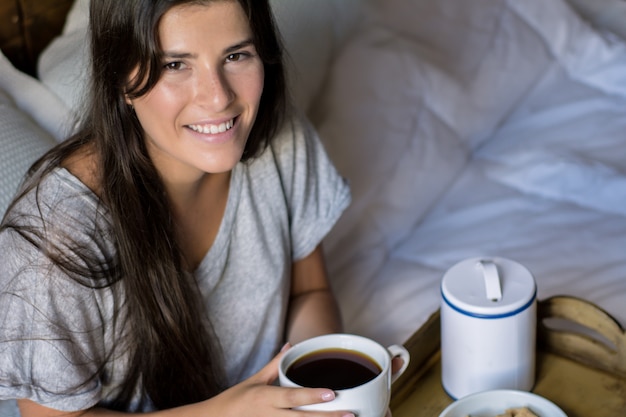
x,y
158,259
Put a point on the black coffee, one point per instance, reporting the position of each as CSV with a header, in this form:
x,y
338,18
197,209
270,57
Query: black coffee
x,y
333,368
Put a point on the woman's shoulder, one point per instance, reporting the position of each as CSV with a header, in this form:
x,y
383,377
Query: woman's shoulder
x,y
298,155
59,215
296,126
57,200
296,138
83,164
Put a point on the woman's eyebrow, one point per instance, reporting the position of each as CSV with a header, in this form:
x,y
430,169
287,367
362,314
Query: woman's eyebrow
x,y
178,55
184,55
239,45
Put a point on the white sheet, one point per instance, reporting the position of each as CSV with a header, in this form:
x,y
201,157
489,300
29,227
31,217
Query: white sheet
x,y
534,96
569,250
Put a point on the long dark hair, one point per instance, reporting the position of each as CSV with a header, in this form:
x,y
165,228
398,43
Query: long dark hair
x,y
173,355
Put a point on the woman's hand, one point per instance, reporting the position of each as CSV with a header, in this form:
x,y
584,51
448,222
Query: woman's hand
x,y
256,396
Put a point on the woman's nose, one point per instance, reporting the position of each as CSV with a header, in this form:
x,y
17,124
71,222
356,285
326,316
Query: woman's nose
x,y
214,90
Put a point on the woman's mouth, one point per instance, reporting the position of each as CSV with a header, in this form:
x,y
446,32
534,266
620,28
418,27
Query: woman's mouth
x,y
213,129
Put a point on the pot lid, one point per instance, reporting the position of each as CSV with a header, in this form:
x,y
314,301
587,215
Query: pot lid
x,y
488,287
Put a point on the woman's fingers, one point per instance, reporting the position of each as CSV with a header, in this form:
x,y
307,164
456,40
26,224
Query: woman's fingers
x,y
288,398
269,373
396,364
297,397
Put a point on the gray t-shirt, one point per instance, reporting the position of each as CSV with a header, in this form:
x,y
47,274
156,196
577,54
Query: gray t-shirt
x,y
280,206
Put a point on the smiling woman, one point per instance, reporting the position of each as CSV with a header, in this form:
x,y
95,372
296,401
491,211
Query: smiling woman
x,y
204,88
160,257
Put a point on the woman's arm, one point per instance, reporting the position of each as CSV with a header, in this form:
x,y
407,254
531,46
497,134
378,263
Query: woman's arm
x,y
313,311
256,396
313,308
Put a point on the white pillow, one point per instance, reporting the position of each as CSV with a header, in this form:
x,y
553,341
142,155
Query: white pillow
x,y
384,119
419,88
32,97
493,50
63,64
22,141
312,32
606,14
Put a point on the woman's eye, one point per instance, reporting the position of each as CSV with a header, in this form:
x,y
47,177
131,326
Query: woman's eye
x,y
238,56
173,66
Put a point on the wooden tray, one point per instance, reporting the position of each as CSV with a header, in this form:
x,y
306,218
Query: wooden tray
x,y
581,363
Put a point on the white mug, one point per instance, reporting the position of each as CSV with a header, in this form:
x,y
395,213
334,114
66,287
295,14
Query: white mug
x,y
370,399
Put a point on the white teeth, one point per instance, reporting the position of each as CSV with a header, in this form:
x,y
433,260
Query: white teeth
x,y
213,129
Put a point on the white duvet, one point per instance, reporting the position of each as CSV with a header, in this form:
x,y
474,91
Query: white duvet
x,y
482,128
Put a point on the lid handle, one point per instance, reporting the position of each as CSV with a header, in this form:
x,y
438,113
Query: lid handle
x,y
492,279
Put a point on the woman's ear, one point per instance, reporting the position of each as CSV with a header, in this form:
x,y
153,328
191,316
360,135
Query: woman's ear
x,y
129,102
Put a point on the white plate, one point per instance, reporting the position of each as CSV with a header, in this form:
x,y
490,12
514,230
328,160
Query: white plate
x,y
493,403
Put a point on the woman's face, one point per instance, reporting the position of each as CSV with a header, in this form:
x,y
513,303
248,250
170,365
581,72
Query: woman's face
x,y
198,116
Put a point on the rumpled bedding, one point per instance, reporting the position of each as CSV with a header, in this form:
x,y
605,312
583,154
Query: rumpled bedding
x,y
482,128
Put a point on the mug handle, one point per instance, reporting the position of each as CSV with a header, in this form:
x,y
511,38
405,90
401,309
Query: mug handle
x,y
397,350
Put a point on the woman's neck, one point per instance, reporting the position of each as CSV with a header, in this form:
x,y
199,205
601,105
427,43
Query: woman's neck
x,y
198,210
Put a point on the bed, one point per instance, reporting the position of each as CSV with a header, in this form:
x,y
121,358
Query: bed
x,y
466,129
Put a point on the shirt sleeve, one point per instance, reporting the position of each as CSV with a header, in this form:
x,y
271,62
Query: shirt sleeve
x,y
316,194
52,330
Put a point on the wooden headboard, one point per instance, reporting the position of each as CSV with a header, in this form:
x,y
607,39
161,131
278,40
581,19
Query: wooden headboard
x,y
28,26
